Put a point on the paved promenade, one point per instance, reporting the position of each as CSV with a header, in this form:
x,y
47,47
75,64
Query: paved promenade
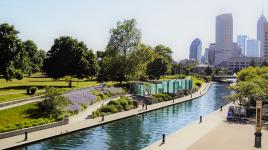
x,y
47,133
214,133
228,136
185,137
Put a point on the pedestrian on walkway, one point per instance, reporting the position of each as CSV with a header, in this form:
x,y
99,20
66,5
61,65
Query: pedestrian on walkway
x,y
142,106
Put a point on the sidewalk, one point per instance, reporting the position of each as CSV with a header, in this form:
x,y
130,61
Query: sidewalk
x,y
75,126
214,133
231,137
185,137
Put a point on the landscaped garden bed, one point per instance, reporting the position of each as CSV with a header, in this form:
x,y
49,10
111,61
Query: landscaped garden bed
x,y
114,106
80,100
19,117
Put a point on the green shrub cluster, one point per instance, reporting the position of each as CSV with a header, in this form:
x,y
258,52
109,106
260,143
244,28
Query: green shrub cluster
x,y
114,106
197,82
31,90
25,124
178,76
100,95
161,97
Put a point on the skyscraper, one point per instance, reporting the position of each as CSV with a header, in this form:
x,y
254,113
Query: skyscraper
x,y
196,50
265,41
242,42
253,48
224,38
260,34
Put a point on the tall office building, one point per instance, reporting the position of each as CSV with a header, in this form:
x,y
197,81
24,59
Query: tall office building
x,y
260,34
224,39
196,50
211,53
265,41
253,48
242,42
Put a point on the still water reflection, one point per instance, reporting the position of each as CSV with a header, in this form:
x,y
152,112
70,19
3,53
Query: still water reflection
x,y
140,131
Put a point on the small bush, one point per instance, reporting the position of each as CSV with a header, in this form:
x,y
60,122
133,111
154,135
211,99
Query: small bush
x,y
32,90
114,106
198,84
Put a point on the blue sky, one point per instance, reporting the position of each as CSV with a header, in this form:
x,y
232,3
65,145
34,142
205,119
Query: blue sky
x,y
174,23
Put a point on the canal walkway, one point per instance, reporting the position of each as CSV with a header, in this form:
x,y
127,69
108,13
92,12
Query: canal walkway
x,y
75,126
185,137
214,133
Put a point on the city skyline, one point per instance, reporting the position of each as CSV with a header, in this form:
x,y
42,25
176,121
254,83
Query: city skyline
x,y
174,27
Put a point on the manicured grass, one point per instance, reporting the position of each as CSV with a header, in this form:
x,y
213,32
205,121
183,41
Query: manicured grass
x,y
17,118
10,97
37,80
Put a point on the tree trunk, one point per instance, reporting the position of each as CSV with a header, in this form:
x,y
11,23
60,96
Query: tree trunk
x,y
70,84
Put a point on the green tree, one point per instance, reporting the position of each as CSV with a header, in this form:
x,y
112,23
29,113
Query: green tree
x,y
138,61
125,38
69,80
166,53
244,93
13,57
157,68
35,55
69,57
54,104
208,70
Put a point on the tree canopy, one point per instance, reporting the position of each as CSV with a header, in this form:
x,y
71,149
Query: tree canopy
x,y
126,58
13,57
70,57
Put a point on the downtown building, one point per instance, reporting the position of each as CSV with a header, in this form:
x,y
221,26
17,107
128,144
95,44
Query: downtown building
x,y
242,43
225,47
260,33
252,48
196,50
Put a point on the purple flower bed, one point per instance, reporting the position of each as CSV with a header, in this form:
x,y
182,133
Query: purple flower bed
x,y
79,98
73,108
82,98
113,90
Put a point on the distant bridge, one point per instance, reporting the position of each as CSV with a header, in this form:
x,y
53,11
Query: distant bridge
x,y
219,78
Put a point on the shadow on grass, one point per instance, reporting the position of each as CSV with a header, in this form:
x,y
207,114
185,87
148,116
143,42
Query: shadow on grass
x,y
33,113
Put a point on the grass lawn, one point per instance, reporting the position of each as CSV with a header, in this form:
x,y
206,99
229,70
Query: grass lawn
x,y
17,118
9,97
7,89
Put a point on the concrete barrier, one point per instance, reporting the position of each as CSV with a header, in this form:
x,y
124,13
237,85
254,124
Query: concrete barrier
x,y
32,129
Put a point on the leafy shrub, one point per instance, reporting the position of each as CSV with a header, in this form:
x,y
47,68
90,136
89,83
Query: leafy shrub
x,y
162,97
31,90
114,106
198,84
19,75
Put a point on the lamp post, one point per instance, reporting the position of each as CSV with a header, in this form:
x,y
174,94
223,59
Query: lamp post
x,y
258,133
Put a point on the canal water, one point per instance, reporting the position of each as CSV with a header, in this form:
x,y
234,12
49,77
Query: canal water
x,y
139,131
